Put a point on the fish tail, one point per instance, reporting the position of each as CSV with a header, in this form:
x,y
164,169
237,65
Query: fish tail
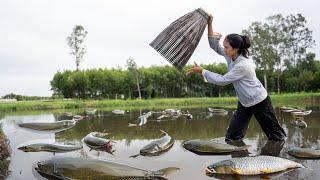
x,y
163,131
166,171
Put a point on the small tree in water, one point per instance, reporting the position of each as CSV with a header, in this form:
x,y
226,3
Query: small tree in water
x,y
76,43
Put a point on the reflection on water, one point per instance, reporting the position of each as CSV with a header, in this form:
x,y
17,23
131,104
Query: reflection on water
x,y
129,140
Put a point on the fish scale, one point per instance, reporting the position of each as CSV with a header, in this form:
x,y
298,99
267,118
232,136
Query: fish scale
x,y
254,165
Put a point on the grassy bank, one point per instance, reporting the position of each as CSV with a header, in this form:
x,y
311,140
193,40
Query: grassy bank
x,y
4,154
310,100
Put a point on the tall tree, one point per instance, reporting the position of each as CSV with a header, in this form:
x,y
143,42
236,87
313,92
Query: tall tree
x,y
279,43
76,43
133,68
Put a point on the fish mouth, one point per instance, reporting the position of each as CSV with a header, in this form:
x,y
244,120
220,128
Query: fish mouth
x,y
210,170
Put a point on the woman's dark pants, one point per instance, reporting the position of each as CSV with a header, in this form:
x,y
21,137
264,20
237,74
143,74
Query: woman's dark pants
x,y
265,116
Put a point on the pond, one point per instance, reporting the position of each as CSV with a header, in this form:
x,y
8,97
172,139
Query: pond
x,y
130,139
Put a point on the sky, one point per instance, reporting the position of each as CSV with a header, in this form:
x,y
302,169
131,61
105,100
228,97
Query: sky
x,y
33,33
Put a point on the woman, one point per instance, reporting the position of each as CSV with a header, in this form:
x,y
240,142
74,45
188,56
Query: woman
x,y
253,98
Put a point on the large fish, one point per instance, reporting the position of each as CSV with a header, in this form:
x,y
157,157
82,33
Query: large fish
x,y
83,168
142,119
157,147
94,140
252,165
118,112
90,111
44,126
210,147
307,153
48,147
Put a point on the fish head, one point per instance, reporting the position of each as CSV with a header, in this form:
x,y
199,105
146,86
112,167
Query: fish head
x,y
150,149
108,147
46,167
28,148
24,148
223,167
296,152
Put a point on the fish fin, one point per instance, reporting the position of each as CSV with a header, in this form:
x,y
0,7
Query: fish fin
x,y
237,171
166,171
134,156
244,147
266,171
163,131
159,147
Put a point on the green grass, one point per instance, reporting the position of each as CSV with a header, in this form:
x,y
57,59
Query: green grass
x,y
294,99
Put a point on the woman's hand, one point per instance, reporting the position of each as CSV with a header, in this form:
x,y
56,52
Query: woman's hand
x,y
196,69
210,19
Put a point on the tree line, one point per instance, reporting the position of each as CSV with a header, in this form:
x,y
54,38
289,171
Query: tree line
x,y
167,82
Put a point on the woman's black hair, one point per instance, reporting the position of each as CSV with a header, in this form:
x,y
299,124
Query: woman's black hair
x,y
242,43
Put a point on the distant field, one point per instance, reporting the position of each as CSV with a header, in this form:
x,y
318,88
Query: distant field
x,y
310,100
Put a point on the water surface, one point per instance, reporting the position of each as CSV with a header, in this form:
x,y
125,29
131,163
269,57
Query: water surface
x,y
129,140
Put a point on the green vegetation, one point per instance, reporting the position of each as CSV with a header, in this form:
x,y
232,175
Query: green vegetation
x,y
280,44
4,154
297,99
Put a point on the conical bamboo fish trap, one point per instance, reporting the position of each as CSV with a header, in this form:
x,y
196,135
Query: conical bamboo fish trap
x,y
178,41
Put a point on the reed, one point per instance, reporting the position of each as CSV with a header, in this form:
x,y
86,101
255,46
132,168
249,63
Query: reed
x,y
177,42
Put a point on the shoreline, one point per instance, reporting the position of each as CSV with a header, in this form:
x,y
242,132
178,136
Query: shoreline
x,y
307,100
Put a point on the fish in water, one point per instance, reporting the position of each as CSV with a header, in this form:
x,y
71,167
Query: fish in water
x,y
118,112
306,153
94,140
157,147
44,126
210,147
90,111
49,147
212,110
299,123
252,165
84,168
142,119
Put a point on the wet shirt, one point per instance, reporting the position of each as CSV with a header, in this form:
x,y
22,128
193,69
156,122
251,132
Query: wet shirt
x,y
241,73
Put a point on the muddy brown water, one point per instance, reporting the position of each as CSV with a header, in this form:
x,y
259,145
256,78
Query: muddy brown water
x,y
129,140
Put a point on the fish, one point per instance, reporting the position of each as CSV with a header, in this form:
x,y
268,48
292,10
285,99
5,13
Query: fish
x,y
277,175
49,147
288,109
44,126
142,119
211,147
98,143
217,110
306,153
157,147
118,112
66,115
253,165
299,123
90,111
301,113
85,168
